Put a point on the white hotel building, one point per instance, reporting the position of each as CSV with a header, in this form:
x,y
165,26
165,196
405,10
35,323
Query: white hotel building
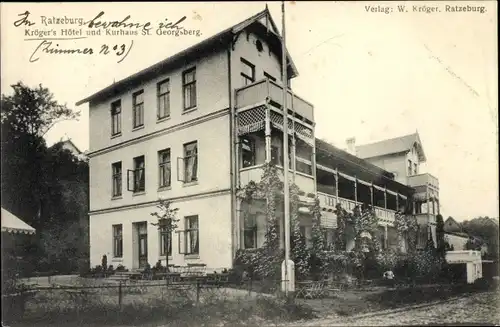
x,y
195,127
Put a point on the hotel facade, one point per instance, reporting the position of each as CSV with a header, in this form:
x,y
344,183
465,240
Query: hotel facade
x,y
196,127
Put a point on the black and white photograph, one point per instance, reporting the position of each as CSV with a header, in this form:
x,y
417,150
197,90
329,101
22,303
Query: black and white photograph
x,y
279,163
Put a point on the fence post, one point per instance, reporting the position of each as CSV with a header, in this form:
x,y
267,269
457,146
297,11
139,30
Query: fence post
x,y
120,295
249,286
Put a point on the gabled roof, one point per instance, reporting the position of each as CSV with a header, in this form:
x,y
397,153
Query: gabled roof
x,y
392,146
221,39
71,144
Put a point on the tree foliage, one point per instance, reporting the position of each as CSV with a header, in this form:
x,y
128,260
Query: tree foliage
x,y
33,111
167,219
441,243
46,187
487,230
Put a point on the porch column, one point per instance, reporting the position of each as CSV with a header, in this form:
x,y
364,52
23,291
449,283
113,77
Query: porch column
x,y
268,134
337,185
386,237
313,163
371,194
427,201
437,203
355,190
385,197
397,201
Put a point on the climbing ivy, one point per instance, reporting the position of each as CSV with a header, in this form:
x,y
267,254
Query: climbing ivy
x,y
407,227
266,261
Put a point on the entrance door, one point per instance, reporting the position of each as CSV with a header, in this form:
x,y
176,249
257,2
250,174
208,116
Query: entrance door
x,y
143,244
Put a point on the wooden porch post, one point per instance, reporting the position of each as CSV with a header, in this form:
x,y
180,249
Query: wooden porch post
x,y
371,194
385,197
337,185
355,190
268,134
386,237
397,201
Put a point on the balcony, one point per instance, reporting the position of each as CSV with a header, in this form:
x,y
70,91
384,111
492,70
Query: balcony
x,y
423,180
260,90
303,181
330,201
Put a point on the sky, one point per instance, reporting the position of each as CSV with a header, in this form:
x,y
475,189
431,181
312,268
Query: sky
x,y
370,75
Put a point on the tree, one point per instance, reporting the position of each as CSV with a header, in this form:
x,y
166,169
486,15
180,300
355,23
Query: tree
x,y
440,246
26,116
167,221
487,230
47,187
33,111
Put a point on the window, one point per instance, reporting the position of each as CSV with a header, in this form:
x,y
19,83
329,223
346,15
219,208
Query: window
x,y
190,162
117,178
192,233
164,168
189,88
270,77
415,169
247,72
409,168
163,94
139,178
117,241
116,117
138,103
247,152
303,165
250,232
166,238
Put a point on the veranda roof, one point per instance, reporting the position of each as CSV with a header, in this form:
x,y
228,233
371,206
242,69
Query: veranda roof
x,y
12,224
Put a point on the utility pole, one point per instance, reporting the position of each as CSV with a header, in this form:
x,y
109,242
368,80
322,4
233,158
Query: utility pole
x,y
287,274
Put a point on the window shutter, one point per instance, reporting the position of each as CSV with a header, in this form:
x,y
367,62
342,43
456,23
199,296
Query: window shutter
x,y
180,170
182,241
130,180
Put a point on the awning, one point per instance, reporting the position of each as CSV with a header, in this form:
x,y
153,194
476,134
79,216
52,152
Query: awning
x,y
14,225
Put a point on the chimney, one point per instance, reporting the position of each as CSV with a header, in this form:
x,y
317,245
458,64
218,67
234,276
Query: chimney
x,y
351,145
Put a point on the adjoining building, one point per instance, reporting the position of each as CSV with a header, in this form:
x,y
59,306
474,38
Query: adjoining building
x,y
196,127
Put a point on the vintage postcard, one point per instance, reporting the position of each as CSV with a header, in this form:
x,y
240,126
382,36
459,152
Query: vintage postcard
x,y
292,163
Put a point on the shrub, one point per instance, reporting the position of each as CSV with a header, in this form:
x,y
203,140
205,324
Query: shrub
x,y
104,262
482,284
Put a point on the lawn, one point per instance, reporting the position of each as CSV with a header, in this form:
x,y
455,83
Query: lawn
x,y
150,304
154,304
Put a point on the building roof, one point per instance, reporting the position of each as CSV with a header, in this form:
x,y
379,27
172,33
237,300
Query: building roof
x,y
221,39
392,146
71,145
14,225
451,220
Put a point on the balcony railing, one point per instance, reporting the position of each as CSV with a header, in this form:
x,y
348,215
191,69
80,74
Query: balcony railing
x,y
258,91
328,200
303,181
423,180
